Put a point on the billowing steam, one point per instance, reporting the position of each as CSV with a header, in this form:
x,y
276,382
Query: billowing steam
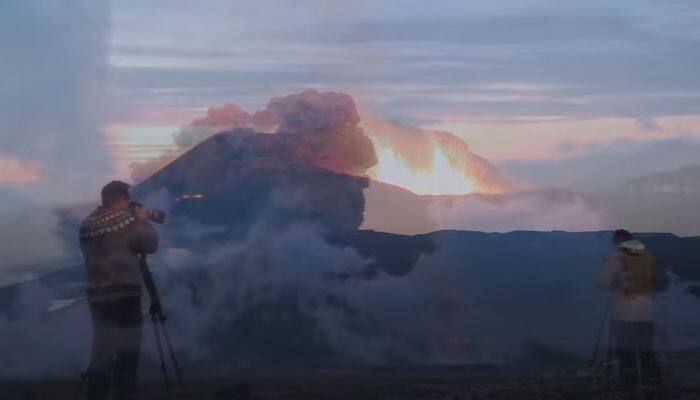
x,y
52,98
393,209
287,297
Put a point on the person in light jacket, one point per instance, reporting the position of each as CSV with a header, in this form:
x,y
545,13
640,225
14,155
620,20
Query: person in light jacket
x,y
629,275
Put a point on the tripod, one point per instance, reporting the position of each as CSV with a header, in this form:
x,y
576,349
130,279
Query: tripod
x,y
605,320
159,328
158,320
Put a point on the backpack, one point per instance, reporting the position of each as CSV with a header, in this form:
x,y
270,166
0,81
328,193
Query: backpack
x,y
637,273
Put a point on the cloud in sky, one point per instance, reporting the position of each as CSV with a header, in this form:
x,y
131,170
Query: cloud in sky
x,y
13,170
497,61
502,59
607,164
513,79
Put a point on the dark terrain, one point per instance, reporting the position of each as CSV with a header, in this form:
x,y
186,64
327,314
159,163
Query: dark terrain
x,y
290,362
419,383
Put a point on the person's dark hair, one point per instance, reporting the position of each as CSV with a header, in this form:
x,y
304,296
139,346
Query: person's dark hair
x,y
622,235
114,191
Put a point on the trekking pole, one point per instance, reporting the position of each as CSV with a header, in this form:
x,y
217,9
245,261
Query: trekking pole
x,y
176,365
600,333
163,367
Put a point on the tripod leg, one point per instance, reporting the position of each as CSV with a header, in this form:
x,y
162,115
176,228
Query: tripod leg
x,y
176,366
609,358
163,367
600,334
83,378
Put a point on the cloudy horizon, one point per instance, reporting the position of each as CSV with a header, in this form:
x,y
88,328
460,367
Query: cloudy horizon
x,y
542,81
583,97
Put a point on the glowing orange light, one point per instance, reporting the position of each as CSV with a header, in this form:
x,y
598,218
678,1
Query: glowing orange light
x,y
441,178
190,196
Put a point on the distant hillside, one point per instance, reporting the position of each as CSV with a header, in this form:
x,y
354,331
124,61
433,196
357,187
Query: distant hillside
x,y
681,181
663,201
394,209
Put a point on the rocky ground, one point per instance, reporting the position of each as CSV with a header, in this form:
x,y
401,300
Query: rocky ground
x,y
380,384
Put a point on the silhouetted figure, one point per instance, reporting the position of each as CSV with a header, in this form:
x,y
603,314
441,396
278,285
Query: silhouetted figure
x,y
629,276
111,238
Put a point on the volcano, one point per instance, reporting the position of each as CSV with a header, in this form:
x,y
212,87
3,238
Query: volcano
x,y
237,178
311,157
337,138
310,169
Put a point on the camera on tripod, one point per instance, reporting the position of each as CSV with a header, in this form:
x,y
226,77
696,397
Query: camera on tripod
x,y
154,214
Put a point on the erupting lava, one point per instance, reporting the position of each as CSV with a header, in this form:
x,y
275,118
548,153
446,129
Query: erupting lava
x,y
440,178
325,130
429,162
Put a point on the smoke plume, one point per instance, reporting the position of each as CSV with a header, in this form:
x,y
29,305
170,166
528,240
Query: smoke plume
x,y
288,297
326,123
54,64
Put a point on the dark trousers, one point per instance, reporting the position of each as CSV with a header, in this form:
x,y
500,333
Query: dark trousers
x,y
116,348
634,349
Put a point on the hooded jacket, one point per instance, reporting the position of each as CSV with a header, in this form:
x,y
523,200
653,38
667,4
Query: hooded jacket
x,y
111,241
628,274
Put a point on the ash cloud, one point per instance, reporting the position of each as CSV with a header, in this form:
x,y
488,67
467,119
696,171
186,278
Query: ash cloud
x,y
326,123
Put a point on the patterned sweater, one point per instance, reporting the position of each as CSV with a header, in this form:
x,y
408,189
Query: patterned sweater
x,y
111,241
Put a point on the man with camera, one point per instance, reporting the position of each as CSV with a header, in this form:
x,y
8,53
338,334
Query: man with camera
x,y
113,239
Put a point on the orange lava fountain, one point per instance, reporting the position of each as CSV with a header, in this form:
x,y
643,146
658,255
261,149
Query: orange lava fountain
x,y
439,178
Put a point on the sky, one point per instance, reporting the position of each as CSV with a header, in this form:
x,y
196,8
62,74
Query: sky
x,y
564,93
517,80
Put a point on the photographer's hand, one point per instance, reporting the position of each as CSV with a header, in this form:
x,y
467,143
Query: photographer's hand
x,y
141,213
